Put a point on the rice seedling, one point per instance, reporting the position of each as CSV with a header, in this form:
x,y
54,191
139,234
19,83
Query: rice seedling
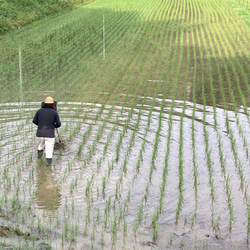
x,y
156,232
87,190
103,184
248,223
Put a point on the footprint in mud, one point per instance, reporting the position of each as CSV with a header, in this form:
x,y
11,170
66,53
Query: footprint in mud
x,y
47,195
217,239
8,232
149,243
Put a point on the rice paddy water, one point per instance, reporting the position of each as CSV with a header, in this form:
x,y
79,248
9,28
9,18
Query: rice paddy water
x,y
153,97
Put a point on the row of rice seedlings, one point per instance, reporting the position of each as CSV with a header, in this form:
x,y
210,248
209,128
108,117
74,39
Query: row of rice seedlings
x,y
248,225
110,136
140,158
215,221
118,144
206,135
157,136
229,200
122,133
181,174
139,218
157,212
194,158
234,149
180,198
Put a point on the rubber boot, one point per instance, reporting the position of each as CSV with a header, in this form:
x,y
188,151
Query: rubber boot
x,y
39,154
48,161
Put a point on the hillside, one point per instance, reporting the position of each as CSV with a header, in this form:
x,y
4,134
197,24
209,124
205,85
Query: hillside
x,y
17,13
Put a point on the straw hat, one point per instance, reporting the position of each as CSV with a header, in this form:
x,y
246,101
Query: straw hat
x,y
49,99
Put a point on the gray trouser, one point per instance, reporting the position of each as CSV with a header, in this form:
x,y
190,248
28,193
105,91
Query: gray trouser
x,y
47,144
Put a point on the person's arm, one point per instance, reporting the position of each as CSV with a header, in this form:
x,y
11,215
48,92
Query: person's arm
x,y
35,119
57,122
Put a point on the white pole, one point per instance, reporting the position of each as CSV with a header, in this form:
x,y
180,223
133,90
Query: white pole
x,y
103,38
20,73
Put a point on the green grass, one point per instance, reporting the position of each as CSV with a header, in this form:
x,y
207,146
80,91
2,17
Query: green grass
x,y
14,14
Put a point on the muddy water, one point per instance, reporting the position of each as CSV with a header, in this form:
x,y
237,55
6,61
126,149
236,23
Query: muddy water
x,y
92,197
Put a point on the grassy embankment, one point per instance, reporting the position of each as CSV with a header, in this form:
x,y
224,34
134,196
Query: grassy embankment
x,y
14,14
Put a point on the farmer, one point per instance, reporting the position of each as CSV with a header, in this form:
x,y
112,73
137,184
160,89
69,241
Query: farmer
x,y
47,119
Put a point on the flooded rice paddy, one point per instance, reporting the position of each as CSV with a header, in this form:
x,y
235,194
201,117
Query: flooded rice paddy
x,y
155,121
99,197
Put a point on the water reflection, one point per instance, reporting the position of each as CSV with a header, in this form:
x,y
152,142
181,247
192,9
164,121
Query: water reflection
x,y
48,195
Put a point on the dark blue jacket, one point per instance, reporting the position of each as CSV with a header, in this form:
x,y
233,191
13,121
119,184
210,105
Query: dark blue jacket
x,y
47,119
